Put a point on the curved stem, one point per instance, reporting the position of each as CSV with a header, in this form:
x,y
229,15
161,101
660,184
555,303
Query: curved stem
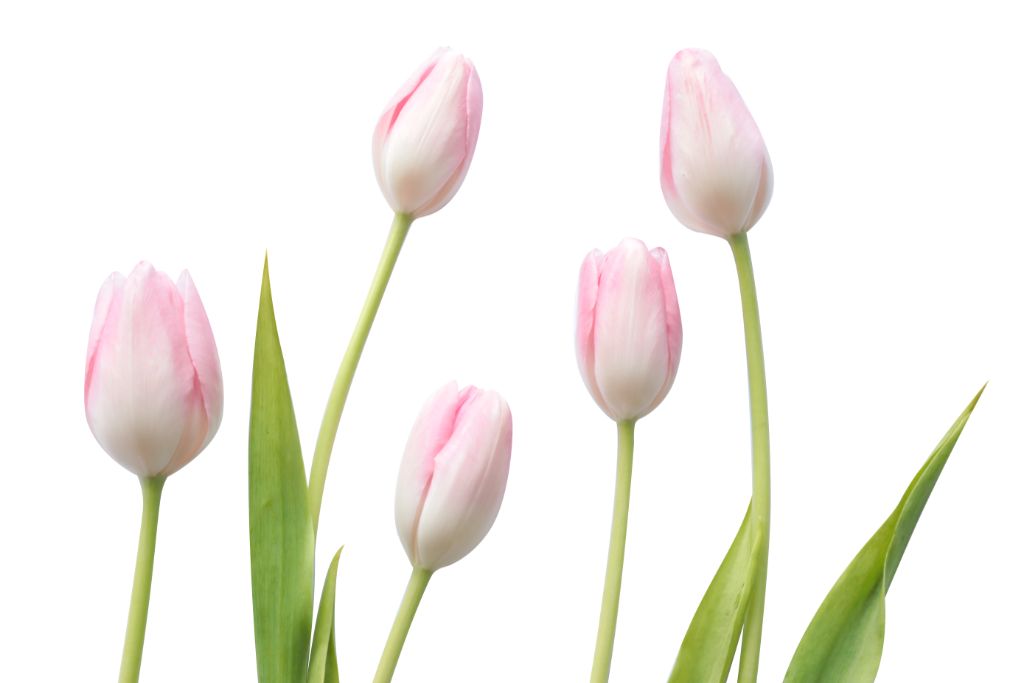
x,y
403,620
761,497
135,634
347,370
616,554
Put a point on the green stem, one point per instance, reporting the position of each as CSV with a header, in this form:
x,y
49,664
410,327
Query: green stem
x,y
616,554
135,634
761,497
403,620
347,370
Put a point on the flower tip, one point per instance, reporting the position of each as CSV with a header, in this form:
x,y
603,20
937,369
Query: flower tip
x,y
142,269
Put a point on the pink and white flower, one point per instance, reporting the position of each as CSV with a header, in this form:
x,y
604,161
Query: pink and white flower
x,y
628,329
452,478
715,171
154,395
426,137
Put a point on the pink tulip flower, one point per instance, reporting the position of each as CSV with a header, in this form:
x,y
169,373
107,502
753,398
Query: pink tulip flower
x,y
715,172
453,475
425,138
628,332
153,390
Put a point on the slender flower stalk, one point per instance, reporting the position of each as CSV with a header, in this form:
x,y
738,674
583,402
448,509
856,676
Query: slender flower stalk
x,y
403,620
717,178
347,369
616,556
135,634
628,339
761,497
422,148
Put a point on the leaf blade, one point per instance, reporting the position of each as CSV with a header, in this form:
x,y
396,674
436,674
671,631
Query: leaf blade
x,y
323,659
843,642
709,647
280,528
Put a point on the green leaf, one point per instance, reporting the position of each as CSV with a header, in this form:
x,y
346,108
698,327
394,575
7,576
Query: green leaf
x,y
323,659
280,528
843,643
710,643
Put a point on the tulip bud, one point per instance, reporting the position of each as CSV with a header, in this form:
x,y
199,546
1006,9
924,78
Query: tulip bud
x,y
628,332
715,172
453,475
153,390
425,139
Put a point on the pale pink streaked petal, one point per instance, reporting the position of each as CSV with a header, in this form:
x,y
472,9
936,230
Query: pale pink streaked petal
x,y
673,320
390,115
474,108
430,433
108,304
203,350
715,171
585,307
468,484
630,355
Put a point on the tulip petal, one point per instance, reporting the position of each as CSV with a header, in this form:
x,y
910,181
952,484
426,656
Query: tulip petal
x,y
631,358
430,433
468,482
108,304
586,305
203,350
673,321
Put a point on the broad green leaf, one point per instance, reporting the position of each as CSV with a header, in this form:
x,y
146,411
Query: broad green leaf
x,y
710,643
280,528
843,643
323,660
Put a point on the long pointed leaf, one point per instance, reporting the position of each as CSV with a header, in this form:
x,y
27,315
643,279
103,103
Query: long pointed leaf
x,y
280,528
323,659
843,643
710,643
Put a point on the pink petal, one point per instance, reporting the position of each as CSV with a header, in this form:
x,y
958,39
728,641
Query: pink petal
x,y
468,484
586,305
108,303
430,433
673,321
630,354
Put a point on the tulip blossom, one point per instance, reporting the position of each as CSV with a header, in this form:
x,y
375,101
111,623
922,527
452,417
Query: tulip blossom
x,y
453,475
425,138
153,389
628,332
715,172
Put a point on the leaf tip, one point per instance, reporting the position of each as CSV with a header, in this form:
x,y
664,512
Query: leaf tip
x,y
977,396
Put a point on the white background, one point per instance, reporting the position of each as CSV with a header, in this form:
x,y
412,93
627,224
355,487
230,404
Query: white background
x,y
198,134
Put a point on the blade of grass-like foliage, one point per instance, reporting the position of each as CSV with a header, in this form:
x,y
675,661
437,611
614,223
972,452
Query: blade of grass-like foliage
x,y
331,675
280,528
323,659
710,643
843,643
